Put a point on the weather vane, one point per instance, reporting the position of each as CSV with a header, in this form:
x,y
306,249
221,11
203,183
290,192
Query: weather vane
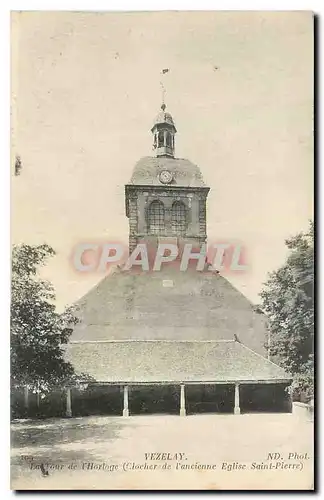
x,y
163,72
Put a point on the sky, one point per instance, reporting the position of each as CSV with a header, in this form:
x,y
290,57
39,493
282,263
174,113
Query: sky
x,y
85,91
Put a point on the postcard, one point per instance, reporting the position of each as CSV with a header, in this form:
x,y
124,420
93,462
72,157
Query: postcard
x,y
162,311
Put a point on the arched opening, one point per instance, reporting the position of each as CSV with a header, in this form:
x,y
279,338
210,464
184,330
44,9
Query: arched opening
x,y
155,218
169,140
179,218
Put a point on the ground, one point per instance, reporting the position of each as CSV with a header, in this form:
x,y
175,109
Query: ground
x,y
72,449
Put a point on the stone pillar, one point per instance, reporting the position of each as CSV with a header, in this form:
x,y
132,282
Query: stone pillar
x,y
68,411
26,398
237,409
193,222
125,410
141,219
182,401
168,220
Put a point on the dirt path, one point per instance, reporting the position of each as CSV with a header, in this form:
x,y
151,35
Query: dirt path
x,y
196,452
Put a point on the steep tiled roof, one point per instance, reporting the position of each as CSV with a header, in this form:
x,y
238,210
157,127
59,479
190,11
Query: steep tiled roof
x,y
186,174
172,361
197,306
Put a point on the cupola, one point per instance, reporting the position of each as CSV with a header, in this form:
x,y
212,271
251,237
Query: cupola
x,y
164,132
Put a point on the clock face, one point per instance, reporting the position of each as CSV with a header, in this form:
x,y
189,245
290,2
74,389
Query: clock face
x,y
165,177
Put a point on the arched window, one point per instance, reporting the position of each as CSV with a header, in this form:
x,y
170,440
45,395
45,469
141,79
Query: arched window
x,y
179,219
156,217
169,140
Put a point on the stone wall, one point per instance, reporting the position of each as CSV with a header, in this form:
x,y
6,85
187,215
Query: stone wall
x,y
139,198
303,411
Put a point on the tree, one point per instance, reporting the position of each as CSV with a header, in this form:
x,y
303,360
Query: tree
x,y
38,331
288,301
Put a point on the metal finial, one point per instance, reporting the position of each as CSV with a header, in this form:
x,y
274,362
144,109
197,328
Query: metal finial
x,y
163,94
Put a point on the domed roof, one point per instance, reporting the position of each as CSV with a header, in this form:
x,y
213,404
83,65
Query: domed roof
x,y
185,174
163,117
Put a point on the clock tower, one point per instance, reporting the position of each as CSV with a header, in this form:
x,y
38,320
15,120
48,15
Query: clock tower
x,y
166,196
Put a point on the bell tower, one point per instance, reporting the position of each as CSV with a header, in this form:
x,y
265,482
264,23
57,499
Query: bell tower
x,y
166,196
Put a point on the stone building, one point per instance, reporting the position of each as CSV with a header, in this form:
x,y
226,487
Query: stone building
x,y
166,196
170,341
